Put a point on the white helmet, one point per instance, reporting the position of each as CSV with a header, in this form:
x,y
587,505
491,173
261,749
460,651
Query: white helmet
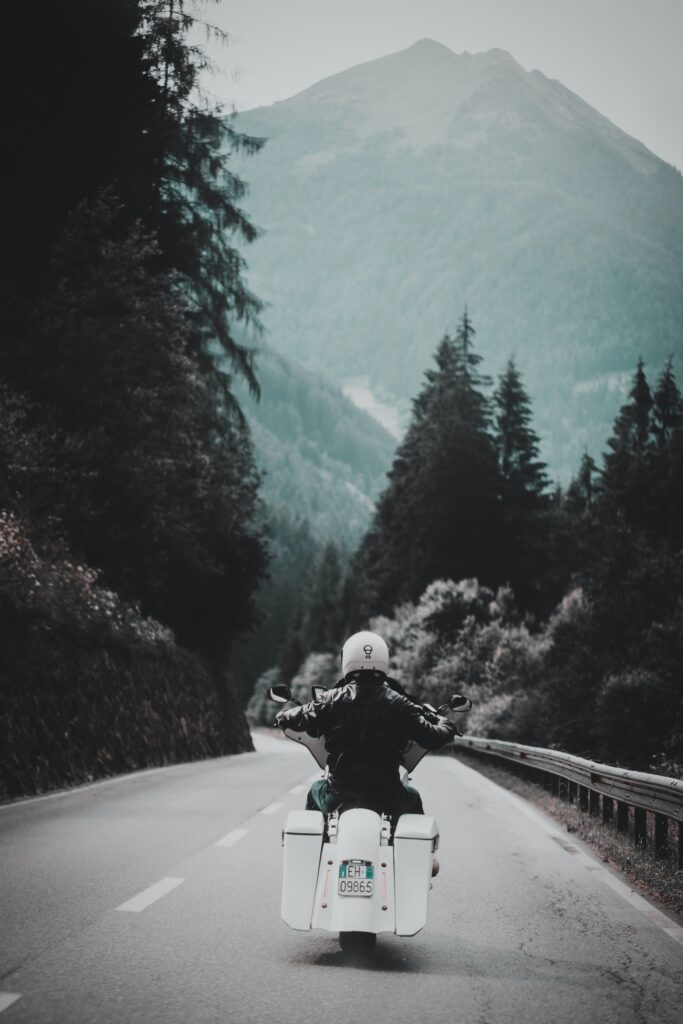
x,y
365,651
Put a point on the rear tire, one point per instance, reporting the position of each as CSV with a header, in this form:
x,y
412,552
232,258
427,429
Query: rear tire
x,y
356,943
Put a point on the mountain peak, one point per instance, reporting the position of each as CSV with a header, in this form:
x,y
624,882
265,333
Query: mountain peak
x,y
416,91
427,45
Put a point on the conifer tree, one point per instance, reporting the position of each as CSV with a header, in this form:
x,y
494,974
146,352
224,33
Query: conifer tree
x,y
522,472
667,407
628,470
194,193
667,457
121,280
439,515
582,491
525,554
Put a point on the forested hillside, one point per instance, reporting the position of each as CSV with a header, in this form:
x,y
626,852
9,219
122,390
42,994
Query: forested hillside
x,y
395,192
324,463
131,532
559,612
324,460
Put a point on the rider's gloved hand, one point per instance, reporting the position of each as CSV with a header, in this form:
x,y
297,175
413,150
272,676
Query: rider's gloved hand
x,y
278,719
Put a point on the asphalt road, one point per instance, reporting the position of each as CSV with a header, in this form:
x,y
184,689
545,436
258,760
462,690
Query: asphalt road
x,y
525,925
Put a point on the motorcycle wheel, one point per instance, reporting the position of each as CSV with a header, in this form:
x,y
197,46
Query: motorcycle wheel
x,y
357,942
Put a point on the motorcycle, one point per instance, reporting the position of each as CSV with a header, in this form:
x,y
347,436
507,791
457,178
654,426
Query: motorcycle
x,y
354,873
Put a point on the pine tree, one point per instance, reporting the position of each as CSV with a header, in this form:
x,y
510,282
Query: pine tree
x,y
522,472
667,407
122,281
156,485
525,554
627,476
667,457
195,194
438,516
582,491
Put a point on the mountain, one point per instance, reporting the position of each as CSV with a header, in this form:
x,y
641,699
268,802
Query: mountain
x,y
324,460
324,463
395,193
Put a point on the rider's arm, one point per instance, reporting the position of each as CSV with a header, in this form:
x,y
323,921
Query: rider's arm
x,y
429,735
310,718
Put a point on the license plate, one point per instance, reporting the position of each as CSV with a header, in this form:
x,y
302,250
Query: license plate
x,y
356,878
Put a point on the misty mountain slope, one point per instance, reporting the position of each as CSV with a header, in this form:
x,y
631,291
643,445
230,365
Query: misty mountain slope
x,y
396,192
324,460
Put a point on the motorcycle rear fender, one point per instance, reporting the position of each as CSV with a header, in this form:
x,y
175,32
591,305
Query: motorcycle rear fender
x,y
358,838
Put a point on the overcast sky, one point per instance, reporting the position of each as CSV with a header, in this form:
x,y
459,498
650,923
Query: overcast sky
x,y
624,57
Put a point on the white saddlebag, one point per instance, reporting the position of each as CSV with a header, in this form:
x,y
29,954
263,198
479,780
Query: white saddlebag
x,y
415,840
302,840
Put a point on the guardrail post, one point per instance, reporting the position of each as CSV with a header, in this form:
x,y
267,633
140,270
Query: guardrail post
x,y
607,809
584,781
640,827
661,837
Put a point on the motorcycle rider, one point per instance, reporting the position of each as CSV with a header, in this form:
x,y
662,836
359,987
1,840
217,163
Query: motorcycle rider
x,y
366,725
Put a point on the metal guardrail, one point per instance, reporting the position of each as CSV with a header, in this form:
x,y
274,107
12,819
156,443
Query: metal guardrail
x,y
586,782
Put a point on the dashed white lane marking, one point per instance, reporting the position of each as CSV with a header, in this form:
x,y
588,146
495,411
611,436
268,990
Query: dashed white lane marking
x,y
588,860
145,898
7,998
297,789
232,837
271,808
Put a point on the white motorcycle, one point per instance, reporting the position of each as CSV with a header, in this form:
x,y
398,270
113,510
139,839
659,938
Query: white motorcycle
x,y
353,873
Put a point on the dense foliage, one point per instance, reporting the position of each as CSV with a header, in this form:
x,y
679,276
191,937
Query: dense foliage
x,y
467,492
120,291
562,614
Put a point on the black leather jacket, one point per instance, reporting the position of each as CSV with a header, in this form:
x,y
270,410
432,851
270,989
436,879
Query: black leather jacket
x,y
366,726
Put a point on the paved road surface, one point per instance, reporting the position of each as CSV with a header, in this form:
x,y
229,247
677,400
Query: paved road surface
x,y
525,925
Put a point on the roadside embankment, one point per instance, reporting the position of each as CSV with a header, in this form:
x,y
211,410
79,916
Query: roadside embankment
x,y
76,708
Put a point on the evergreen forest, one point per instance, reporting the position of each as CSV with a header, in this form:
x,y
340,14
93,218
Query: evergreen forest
x,y
187,517
132,536
559,611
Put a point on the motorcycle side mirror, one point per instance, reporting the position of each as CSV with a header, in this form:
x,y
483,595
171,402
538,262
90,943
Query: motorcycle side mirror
x,y
280,694
457,702
318,691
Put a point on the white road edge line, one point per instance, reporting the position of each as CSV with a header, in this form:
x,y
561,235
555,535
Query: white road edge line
x,y
148,896
583,854
232,837
297,789
271,808
7,998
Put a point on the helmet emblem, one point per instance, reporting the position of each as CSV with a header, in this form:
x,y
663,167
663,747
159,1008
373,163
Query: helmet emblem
x,y
368,650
